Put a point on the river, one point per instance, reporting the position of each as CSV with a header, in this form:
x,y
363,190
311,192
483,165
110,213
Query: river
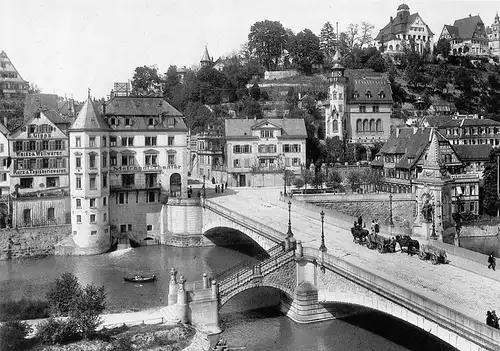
x,y
261,329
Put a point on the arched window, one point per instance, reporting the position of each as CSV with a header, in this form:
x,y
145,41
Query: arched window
x,y
335,126
372,125
397,47
359,126
366,127
27,216
175,184
51,214
379,125
368,94
390,47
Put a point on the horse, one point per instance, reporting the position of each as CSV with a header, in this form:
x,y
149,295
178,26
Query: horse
x,y
359,235
412,245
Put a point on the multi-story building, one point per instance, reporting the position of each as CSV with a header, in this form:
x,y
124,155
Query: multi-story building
x,y
5,161
39,171
258,151
493,33
209,155
67,108
405,31
11,82
402,159
360,106
471,131
466,36
474,157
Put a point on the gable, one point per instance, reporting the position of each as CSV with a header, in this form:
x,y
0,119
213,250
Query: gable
x,y
265,124
38,128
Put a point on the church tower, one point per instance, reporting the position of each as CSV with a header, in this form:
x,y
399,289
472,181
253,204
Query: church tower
x,y
335,121
89,181
206,60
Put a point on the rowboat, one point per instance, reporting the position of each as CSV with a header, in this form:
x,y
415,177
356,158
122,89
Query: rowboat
x,y
140,279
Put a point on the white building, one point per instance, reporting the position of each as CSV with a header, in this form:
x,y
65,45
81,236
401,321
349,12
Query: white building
x,y
493,33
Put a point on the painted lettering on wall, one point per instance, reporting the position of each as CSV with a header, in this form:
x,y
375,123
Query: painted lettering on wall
x,y
39,153
40,171
40,135
143,168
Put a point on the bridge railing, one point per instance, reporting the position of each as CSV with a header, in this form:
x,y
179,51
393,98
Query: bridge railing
x,y
263,230
462,324
275,250
262,269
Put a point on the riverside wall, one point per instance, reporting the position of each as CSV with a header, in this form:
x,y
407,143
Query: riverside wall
x,y
31,241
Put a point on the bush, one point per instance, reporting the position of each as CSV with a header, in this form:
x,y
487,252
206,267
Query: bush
x,y
23,309
62,293
55,331
88,305
13,334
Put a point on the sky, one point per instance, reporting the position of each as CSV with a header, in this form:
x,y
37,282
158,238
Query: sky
x,y
68,46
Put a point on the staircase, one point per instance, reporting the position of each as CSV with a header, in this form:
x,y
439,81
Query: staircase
x,y
169,313
255,273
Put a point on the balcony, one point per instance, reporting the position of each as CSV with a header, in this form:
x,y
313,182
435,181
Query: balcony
x,y
135,187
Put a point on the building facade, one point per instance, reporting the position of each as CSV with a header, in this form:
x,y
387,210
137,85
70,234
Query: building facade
x,y
466,36
471,131
405,31
259,151
39,171
11,82
209,154
493,33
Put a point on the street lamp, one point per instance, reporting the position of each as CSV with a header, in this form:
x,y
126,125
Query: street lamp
x,y
433,234
204,189
289,234
322,247
390,213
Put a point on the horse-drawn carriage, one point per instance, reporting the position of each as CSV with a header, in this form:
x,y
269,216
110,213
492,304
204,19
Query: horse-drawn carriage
x,y
407,244
434,254
381,243
359,235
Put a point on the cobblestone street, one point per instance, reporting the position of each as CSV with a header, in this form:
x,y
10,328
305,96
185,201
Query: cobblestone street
x,y
466,286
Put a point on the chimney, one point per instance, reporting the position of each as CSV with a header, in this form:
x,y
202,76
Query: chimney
x,y
5,121
103,108
391,19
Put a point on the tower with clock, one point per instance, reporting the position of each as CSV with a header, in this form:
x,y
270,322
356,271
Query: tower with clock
x,y
335,121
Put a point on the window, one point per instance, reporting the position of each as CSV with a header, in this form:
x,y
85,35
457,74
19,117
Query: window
x,y
45,145
128,141
78,182
291,148
104,201
296,162
151,122
151,196
78,162
93,232
246,149
266,133
128,180
105,217
236,163
78,219
237,149
362,108
376,108
3,177
26,183
104,159
18,146
92,141
127,160
150,141
78,142
78,203
52,182
59,145
112,121
127,121
104,140
51,214
92,218
171,159
149,227
104,180
92,203
170,140
121,198
113,160
93,185
112,141
129,227
151,160
123,228
92,161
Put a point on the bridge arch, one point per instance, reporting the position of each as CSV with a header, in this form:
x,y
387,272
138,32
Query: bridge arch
x,y
283,290
234,239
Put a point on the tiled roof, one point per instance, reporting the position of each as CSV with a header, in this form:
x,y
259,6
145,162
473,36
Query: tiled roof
x,y
373,85
140,106
473,152
206,56
438,121
89,119
3,129
467,26
32,103
293,127
399,25
453,31
471,122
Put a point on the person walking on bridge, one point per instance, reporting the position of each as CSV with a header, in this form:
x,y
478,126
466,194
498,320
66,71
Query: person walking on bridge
x,y
492,262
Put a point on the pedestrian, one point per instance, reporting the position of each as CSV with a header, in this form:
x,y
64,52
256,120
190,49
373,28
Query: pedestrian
x,y
355,225
372,226
377,227
199,193
495,319
226,184
489,319
222,188
492,262
360,221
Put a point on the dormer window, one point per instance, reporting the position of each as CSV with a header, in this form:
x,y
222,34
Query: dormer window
x,y
127,121
356,94
266,133
151,122
112,121
171,121
381,94
369,94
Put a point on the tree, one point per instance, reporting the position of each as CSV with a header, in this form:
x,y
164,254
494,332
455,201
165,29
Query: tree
x,y
13,334
365,37
490,172
308,177
145,80
351,35
376,62
318,180
327,41
333,180
198,117
267,40
62,294
443,47
354,179
34,89
249,108
86,309
334,150
305,50
171,81
373,177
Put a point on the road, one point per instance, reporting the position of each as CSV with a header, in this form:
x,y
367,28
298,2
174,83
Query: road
x,y
463,285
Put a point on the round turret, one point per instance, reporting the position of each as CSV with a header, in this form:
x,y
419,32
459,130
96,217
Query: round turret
x,y
403,7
